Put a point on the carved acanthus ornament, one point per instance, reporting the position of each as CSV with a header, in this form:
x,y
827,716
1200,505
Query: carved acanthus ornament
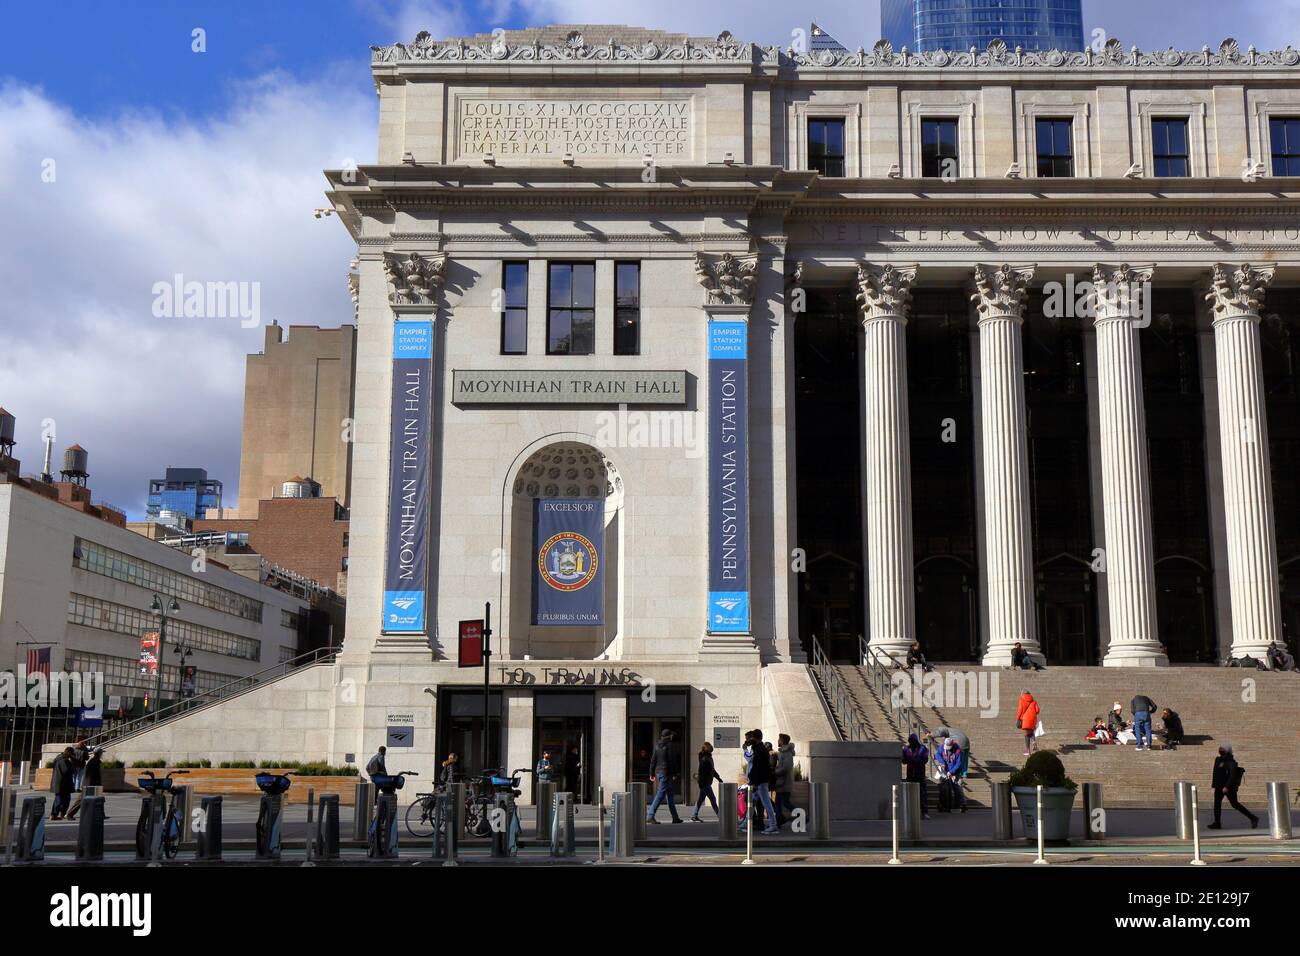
x,y
414,279
1234,293
885,290
1001,291
1120,292
727,280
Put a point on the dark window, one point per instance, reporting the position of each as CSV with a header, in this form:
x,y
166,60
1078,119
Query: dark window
x,y
514,315
1284,134
826,146
627,308
1055,147
939,148
1169,147
571,316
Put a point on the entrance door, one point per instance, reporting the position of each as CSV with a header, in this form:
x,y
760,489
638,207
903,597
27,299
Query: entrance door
x,y
945,611
643,735
465,739
1065,636
1183,613
568,741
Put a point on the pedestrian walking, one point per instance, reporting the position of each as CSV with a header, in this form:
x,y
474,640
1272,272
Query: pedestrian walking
x,y
1028,715
783,780
663,764
61,783
92,775
1226,781
705,774
759,776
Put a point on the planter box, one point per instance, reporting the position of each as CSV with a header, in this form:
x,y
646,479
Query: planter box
x,y
212,781
1058,805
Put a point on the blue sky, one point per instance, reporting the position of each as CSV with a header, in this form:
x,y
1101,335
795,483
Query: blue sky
x,y
208,164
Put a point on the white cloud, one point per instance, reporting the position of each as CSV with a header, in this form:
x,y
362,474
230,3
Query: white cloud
x,y
137,198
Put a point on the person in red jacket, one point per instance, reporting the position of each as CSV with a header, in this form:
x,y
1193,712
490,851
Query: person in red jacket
x,y
1027,720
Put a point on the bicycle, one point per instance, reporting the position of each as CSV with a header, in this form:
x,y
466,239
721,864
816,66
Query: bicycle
x,y
481,798
170,838
422,815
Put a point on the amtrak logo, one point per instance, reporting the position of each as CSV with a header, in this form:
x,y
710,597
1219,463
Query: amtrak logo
x,y
567,561
729,605
404,603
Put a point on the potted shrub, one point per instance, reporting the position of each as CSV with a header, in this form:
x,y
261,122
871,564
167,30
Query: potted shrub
x,y
1044,768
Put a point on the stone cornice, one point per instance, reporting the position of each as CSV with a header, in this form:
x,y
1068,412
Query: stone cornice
x,y
579,50
885,291
1000,291
1238,292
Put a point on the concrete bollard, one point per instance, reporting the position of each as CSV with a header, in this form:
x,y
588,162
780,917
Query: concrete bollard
x,y
640,804
909,812
819,808
1000,800
1183,809
1279,810
728,812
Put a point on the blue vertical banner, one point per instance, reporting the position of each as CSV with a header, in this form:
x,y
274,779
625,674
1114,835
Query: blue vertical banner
x,y
728,424
569,560
407,570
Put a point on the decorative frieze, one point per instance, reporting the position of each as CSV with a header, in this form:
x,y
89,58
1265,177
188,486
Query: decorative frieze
x,y
668,50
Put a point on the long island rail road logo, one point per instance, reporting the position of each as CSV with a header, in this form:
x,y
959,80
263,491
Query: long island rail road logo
x,y
568,561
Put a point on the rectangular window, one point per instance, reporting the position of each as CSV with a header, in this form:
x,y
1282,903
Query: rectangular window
x,y
627,308
1055,147
514,317
571,315
826,146
939,158
1169,147
1284,135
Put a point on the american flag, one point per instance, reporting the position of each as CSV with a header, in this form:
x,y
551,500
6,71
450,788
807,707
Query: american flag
x,y
38,661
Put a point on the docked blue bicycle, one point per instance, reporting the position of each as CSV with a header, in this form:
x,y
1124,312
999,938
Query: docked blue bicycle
x,y
169,839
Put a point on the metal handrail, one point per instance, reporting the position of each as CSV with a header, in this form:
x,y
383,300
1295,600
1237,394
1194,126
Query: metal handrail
x,y
906,720
226,691
837,696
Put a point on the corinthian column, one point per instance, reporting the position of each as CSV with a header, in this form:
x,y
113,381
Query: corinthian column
x,y
1118,297
885,295
1235,297
999,298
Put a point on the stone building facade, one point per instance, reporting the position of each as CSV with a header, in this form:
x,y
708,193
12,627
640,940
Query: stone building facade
x,y
1014,340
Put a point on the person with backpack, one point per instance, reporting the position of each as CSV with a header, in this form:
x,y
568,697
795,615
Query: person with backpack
x,y
377,765
1142,707
1027,717
663,764
950,789
705,774
783,779
1226,781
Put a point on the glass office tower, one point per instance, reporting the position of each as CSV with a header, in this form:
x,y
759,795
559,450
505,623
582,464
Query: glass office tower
x,y
924,25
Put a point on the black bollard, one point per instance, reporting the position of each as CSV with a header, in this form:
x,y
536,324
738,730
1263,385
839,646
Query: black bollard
x,y
90,830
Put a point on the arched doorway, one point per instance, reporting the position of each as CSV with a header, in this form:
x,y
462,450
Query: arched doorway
x,y
569,470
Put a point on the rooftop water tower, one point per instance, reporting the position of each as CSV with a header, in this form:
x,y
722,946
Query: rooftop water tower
x,y
7,424
75,462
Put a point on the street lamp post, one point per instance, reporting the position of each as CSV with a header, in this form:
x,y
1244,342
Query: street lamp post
x,y
157,608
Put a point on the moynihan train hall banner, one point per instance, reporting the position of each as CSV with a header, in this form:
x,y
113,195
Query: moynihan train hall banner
x,y
569,539
728,478
408,483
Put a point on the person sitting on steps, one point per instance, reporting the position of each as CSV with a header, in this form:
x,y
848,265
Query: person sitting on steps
x,y
1021,660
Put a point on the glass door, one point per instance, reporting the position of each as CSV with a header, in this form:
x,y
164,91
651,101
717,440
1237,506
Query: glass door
x,y
567,740
643,735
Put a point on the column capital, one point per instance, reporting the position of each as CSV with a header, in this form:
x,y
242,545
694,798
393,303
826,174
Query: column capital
x,y
999,292
885,291
414,280
1120,291
728,279
1237,293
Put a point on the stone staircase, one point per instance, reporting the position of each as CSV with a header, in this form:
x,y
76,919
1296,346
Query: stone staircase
x,y
1258,712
